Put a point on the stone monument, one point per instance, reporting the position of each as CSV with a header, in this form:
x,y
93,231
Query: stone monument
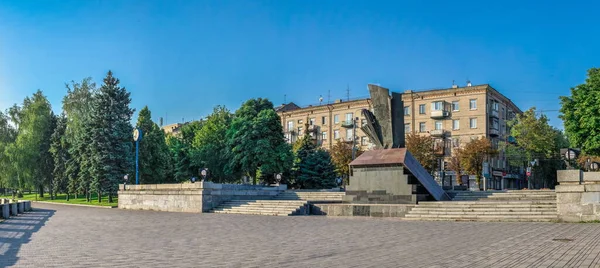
x,y
389,174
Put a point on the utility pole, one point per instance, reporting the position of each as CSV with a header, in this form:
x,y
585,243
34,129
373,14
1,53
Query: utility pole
x,y
354,138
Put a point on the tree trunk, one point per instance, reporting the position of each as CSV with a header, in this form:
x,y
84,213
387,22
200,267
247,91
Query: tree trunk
x,y
67,196
110,199
254,180
99,197
88,197
41,191
75,193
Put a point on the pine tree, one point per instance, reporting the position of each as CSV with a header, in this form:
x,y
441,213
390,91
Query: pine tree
x,y
313,167
153,150
60,155
111,137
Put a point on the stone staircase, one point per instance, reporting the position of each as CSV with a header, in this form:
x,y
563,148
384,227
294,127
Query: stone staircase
x,y
288,203
263,207
515,205
329,197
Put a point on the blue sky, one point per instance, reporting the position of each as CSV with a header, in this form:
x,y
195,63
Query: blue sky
x,y
181,58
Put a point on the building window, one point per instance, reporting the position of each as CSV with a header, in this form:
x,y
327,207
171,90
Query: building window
x,y
494,105
290,125
437,106
455,124
299,121
455,106
406,128
363,122
300,131
473,122
473,104
422,109
438,125
312,121
455,143
349,118
324,135
323,120
363,140
495,124
406,110
349,134
336,119
336,134
422,127
502,115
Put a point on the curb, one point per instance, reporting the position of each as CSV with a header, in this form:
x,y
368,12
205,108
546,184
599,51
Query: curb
x,y
67,204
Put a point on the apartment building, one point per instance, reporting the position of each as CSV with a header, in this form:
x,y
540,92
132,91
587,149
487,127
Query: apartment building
x,y
454,116
326,123
172,129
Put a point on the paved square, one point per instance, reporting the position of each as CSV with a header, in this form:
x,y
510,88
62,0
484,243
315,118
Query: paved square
x,y
66,236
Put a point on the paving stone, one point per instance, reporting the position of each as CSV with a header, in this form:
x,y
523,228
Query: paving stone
x,y
68,236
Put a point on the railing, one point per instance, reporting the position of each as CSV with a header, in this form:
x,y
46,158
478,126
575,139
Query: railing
x,y
439,114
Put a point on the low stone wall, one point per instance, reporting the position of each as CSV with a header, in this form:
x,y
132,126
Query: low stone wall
x,y
8,208
367,210
190,197
578,196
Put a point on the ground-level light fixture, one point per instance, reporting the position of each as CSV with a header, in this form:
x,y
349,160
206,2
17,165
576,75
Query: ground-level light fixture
x,y
569,155
204,173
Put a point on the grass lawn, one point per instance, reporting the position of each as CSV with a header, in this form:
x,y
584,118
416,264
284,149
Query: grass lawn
x,y
62,198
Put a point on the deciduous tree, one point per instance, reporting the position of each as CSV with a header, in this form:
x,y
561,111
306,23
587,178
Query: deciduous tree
x,y
474,154
341,156
256,140
422,148
580,114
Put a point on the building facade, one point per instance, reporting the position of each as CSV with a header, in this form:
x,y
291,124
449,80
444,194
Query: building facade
x,y
326,123
454,116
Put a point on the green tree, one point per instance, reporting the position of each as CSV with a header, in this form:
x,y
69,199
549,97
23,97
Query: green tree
x,y
580,114
60,154
313,167
474,154
7,137
538,140
422,148
28,154
154,153
77,107
210,145
256,140
111,138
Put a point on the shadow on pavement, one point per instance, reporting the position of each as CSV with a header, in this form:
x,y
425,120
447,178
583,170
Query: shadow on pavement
x,y
16,231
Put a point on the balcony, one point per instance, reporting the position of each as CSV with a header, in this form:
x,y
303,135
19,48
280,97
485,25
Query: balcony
x,y
494,113
494,132
439,114
348,124
437,133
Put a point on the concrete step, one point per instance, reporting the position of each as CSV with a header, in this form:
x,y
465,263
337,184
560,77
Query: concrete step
x,y
498,219
252,213
490,216
280,211
502,213
488,202
552,209
260,207
279,202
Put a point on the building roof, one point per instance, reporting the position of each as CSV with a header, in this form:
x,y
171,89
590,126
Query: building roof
x,y
287,107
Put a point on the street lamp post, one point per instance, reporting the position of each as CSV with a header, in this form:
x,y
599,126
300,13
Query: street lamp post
x,y
354,138
204,173
137,137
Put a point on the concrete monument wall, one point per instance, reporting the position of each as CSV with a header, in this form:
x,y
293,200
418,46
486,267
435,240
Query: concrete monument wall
x,y
189,197
380,185
578,196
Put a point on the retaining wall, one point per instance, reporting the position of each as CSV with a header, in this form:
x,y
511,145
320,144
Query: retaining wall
x,y
190,197
578,196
